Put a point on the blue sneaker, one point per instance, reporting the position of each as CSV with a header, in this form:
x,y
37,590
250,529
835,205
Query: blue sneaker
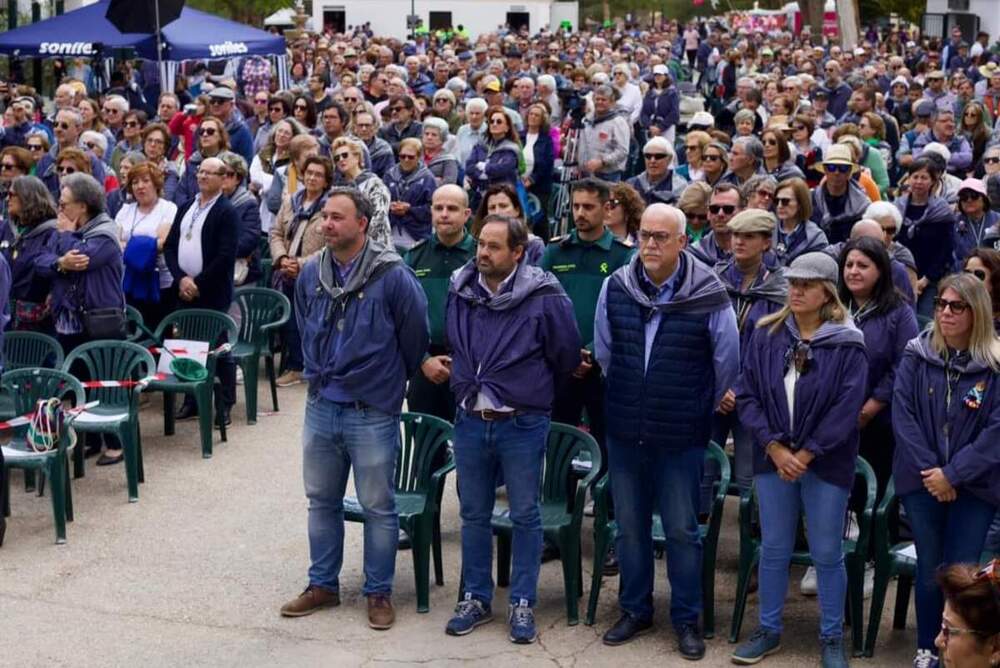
x,y
832,653
762,643
469,613
522,623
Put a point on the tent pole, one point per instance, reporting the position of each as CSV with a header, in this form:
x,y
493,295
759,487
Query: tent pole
x,y
159,40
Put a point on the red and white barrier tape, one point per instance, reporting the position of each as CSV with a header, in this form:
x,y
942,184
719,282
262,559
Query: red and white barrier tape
x,y
124,383
22,420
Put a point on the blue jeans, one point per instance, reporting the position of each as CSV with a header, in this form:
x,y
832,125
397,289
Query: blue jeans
x,y
742,470
515,447
993,536
944,533
645,479
337,437
825,507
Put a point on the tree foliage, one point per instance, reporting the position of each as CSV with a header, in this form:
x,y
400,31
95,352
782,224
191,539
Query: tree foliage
x,y
252,12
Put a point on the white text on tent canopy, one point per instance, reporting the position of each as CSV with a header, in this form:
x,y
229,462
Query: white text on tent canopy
x,y
66,48
228,49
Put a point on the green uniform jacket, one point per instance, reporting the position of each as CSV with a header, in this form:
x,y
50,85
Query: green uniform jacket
x,y
581,267
433,263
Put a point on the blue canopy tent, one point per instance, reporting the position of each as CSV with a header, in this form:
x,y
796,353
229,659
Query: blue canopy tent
x,y
196,35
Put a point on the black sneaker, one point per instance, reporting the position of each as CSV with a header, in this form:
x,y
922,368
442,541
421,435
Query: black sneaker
x,y
625,629
690,643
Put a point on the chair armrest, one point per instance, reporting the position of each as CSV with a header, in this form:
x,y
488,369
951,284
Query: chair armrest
x,y
437,482
746,514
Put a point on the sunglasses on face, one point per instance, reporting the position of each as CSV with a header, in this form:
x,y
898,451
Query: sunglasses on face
x,y
35,147
341,156
205,172
654,156
7,167
770,142
396,109
693,147
207,132
66,170
726,209
216,103
131,124
978,273
350,99
301,107
712,158
798,128
957,307
968,196
498,121
765,193
697,216
407,157
277,110
261,100
784,201
890,230
62,126
992,161
91,145
835,169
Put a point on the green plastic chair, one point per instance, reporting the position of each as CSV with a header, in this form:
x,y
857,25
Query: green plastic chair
x,y
27,386
194,325
418,495
266,270
563,496
118,410
855,556
26,350
262,312
606,529
890,561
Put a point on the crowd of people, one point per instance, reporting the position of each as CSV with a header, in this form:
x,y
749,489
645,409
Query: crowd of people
x,y
671,236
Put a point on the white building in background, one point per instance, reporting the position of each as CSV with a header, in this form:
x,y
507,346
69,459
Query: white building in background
x,y
388,17
971,15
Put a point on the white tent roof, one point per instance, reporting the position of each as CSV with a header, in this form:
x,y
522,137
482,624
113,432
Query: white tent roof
x,y
283,17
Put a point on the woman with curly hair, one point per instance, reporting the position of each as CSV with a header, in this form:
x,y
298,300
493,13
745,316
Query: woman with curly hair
x,y
973,127
624,211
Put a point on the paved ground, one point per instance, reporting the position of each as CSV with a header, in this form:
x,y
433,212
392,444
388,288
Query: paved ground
x,y
194,574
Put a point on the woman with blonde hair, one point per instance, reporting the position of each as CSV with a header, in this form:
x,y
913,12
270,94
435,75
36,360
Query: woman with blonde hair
x,y
348,159
694,143
946,417
799,396
694,203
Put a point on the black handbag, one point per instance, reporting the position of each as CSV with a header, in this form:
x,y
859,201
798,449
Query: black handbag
x,y
104,323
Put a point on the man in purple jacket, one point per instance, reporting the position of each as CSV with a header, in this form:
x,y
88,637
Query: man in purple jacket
x,y
513,336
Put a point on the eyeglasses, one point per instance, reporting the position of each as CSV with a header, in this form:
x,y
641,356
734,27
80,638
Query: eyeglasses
x,y
968,196
341,156
654,156
783,201
711,158
978,273
658,238
131,124
498,121
692,147
957,307
765,193
155,140
948,631
66,170
834,169
727,209
207,132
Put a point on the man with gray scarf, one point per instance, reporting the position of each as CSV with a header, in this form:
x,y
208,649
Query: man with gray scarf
x,y
362,316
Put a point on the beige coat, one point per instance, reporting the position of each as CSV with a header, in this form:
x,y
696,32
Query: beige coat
x,y
308,239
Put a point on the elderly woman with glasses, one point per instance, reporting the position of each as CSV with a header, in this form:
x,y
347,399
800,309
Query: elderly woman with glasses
x,y
212,139
411,186
658,182
132,127
442,163
32,215
247,208
155,145
946,417
799,397
695,143
348,159
759,191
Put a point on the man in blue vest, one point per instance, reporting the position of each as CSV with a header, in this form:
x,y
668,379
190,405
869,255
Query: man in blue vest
x,y
666,337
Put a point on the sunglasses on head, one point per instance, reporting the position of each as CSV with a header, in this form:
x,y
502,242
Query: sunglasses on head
x,y
957,307
721,208
833,169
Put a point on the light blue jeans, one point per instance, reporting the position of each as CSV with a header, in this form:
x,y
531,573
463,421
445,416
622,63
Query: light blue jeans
x,y
825,507
336,438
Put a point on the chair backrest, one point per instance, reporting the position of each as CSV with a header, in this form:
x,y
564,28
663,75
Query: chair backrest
x,y
24,350
135,326
261,310
111,360
720,486
198,324
424,436
564,444
864,506
27,386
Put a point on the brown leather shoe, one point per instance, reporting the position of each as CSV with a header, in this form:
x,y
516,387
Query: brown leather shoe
x,y
380,613
309,601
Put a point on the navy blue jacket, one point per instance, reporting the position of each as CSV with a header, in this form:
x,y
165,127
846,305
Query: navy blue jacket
x,y
828,398
23,257
515,346
541,172
240,140
363,339
886,335
416,188
961,436
188,186
500,164
394,135
46,171
218,248
660,108
931,238
248,237
969,235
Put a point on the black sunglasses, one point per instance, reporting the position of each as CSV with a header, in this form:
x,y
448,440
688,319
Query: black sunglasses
x,y
341,156
711,158
7,167
832,169
722,208
35,147
968,196
978,273
957,307
654,156
66,170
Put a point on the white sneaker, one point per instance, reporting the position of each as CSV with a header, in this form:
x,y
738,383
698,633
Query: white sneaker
x,y
807,586
869,580
924,659
239,376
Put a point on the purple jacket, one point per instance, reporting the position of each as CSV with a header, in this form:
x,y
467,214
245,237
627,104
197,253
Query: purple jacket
x,y
515,346
100,286
828,397
766,295
23,256
886,335
499,164
415,188
961,436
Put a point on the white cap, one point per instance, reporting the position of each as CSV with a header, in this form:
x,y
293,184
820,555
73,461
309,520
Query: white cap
x,y
939,149
900,80
702,118
859,51
660,69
